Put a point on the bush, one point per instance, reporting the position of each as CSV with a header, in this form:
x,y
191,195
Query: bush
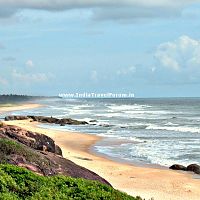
x,y
18,183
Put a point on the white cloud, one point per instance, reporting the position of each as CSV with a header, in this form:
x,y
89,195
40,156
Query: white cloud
x,y
102,9
29,63
179,55
179,61
30,77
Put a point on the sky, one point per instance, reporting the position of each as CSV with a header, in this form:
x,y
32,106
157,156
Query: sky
x,y
149,48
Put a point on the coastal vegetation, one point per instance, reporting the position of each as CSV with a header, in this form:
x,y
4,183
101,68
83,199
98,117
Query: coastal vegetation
x,y
28,172
18,183
9,99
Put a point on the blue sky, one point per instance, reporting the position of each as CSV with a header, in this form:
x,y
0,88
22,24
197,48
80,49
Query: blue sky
x,y
150,49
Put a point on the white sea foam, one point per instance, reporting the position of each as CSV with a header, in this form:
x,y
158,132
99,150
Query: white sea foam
x,y
109,115
159,152
149,128
80,107
150,112
174,128
128,107
87,119
171,124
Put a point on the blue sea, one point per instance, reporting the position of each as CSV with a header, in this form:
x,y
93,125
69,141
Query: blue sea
x,y
152,131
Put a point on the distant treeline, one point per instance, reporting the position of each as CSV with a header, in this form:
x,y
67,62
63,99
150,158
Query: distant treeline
x,y
17,98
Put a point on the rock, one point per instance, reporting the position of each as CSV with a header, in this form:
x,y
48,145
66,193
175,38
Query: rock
x,y
12,151
58,150
9,118
34,140
194,168
178,167
105,125
93,121
67,167
50,120
29,167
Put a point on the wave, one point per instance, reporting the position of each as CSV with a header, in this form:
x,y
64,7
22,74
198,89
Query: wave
x,y
127,107
150,112
108,115
80,107
174,128
171,124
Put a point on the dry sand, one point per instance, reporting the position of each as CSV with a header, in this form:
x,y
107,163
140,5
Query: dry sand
x,y
161,184
14,107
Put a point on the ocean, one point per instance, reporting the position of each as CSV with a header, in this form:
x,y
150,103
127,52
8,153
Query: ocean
x,y
161,131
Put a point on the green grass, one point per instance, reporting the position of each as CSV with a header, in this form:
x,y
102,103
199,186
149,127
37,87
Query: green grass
x,y
8,148
18,183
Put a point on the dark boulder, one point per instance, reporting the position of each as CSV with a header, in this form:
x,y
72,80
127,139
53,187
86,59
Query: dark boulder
x,y
93,120
178,167
12,117
50,120
34,140
194,168
45,163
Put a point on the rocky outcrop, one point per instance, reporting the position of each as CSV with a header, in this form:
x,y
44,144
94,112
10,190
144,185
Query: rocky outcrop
x,y
12,117
192,168
51,120
178,167
34,140
24,148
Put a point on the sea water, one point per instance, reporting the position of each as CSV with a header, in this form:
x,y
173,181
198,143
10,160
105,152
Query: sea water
x,y
152,131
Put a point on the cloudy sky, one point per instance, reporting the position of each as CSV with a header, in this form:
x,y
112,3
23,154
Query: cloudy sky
x,y
150,48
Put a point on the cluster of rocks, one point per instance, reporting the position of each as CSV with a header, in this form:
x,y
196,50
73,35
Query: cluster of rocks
x,y
51,120
38,153
192,168
34,140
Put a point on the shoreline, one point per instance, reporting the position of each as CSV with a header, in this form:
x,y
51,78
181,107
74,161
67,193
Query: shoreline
x,y
121,160
103,140
146,182
17,107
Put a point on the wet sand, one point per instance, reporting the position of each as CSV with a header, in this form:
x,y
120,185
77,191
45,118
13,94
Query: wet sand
x,y
160,184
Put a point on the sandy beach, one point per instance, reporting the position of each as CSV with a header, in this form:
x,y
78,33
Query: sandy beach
x,y
13,107
137,181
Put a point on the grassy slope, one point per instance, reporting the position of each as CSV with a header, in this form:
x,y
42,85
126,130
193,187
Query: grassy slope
x,y
19,183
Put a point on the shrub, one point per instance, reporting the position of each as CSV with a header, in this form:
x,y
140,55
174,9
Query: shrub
x,y
22,184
